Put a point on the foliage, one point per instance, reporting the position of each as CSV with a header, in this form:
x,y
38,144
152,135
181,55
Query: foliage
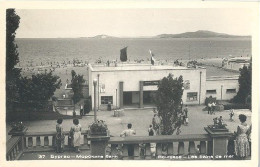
x,y
98,127
77,86
168,100
236,106
88,105
12,58
245,84
17,126
37,90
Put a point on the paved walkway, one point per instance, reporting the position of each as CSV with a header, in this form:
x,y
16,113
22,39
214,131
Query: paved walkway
x,y
141,119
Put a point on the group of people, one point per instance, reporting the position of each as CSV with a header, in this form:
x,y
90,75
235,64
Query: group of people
x,y
242,143
74,136
211,107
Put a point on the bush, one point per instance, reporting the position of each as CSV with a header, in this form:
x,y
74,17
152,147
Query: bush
x,y
236,106
87,105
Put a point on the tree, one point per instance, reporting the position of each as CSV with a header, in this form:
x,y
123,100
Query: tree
x,y
168,99
245,84
77,87
12,58
35,91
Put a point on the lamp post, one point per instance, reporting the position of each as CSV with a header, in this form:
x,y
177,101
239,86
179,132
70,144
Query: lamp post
x,y
116,99
98,89
95,99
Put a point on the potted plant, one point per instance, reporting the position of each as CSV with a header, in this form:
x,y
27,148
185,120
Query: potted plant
x,y
17,128
98,128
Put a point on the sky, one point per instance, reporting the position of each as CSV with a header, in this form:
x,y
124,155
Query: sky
x,y
67,23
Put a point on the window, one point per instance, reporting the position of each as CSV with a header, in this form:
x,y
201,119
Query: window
x,y
231,91
106,99
192,96
211,91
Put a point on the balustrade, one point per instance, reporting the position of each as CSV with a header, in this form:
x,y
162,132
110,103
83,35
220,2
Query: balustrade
x,y
14,148
165,146
45,141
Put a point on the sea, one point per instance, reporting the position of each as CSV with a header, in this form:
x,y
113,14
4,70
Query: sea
x,y
40,51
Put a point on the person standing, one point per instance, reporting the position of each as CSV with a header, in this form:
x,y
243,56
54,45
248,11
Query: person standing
x,y
152,145
186,110
241,142
76,131
59,136
129,132
213,108
209,107
231,114
81,110
249,138
156,122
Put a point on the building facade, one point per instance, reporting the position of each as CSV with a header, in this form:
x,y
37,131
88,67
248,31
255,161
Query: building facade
x,y
235,63
222,87
133,85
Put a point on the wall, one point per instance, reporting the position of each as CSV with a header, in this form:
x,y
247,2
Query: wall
x,y
225,83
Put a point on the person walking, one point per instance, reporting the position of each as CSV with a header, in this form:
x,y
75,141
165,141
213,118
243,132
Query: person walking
x,y
241,142
59,136
76,131
129,132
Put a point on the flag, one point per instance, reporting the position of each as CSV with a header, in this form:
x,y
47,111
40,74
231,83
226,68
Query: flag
x,y
152,57
123,54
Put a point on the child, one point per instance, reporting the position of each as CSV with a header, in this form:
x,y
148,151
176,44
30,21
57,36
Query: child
x,y
232,114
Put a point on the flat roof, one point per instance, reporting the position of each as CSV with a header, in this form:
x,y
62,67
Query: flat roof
x,y
217,78
137,67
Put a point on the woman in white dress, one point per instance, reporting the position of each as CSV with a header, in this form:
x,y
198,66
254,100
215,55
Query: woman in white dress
x,y
241,143
76,131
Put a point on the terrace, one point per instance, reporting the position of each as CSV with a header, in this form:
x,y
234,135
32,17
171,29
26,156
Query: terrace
x,y
29,145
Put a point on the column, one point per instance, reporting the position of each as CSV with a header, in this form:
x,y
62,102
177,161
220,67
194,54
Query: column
x,y
220,140
121,95
141,103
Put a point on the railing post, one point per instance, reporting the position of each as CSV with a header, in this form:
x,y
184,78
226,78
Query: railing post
x,y
220,140
98,146
136,151
21,134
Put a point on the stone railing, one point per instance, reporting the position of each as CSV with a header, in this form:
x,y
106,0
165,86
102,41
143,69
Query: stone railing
x,y
38,142
166,146
14,148
45,141
187,146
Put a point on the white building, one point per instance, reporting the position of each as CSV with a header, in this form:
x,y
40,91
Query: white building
x,y
222,88
132,85
235,63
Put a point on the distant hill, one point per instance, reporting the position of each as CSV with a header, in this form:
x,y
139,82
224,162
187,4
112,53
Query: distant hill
x,y
102,36
199,34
